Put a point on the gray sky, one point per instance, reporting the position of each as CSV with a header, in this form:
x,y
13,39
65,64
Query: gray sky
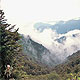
x,y
23,12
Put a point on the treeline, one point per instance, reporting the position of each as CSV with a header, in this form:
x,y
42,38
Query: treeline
x,y
9,46
71,68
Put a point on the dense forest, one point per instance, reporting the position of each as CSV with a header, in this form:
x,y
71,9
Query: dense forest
x,y
24,68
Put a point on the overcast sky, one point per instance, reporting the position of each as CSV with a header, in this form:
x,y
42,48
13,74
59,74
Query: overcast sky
x,y
21,12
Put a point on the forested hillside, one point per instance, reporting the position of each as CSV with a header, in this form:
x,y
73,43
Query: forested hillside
x,y
71,67
37,52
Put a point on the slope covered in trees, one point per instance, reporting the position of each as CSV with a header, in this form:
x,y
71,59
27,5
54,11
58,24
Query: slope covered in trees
x,y
28,70
71,67
38,52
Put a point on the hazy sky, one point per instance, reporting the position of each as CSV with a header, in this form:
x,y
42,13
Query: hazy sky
x,y
24,11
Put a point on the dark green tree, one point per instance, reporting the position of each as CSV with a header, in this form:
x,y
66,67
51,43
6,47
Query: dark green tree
x,y
9,46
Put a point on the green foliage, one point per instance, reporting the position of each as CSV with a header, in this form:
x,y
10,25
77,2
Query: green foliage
x,y
23,63
26,69
73,76
9,46
51,76
72,65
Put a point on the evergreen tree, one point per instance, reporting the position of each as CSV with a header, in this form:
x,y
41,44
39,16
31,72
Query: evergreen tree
x,y
9,46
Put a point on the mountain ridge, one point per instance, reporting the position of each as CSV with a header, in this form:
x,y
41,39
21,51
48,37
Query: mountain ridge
x,y
37,52
61,27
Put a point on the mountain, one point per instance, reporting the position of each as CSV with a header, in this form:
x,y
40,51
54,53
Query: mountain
x,y
70,66
61,27
74,57
61,48
33,71
41,26
37,52
25,66
27,69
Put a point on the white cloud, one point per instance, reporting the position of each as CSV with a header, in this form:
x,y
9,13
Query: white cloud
x,y
48,37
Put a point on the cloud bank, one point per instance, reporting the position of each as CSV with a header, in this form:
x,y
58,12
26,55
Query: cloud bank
x,y
62,45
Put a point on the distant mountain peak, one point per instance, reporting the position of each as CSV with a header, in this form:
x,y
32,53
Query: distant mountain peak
x,y
37,52
28,37
61,27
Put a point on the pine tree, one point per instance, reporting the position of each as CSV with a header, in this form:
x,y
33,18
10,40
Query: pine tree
x,y
9,46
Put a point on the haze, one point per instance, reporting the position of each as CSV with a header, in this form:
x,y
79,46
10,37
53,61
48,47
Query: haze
x,y
24,12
